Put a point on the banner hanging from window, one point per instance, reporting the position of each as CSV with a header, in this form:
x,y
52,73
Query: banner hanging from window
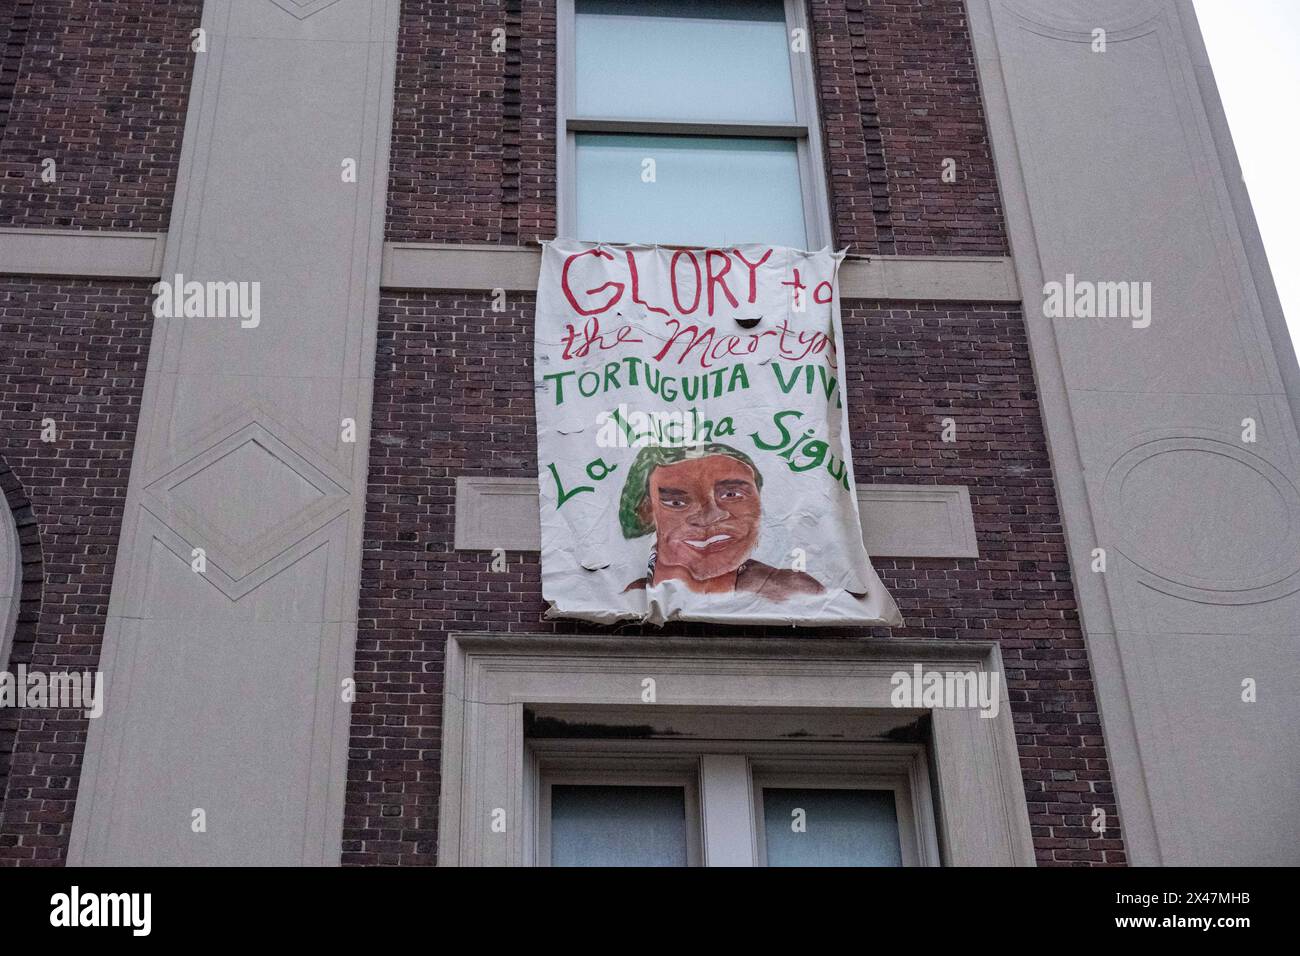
x,y
693,439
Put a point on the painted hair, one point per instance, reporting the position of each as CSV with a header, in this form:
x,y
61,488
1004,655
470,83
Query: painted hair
x,y
636,490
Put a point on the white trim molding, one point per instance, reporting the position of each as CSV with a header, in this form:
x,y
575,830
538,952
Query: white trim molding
x,y
898,521
495,683
479,267
81,253
484,267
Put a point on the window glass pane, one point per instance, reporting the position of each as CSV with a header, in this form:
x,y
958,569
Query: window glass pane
x,y
839,827
706,190
684,60
618,826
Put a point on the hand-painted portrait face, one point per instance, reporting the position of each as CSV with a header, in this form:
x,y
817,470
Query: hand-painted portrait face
x,y
706,514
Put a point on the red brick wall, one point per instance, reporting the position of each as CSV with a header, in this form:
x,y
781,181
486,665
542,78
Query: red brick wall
x,y
14,18
909,366
899,95
474,160
101,90
73,351
473,147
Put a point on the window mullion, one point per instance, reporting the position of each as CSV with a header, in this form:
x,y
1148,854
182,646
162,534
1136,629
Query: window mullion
x,y
727,810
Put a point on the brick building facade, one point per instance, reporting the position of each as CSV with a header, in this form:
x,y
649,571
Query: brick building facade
x,y
457,145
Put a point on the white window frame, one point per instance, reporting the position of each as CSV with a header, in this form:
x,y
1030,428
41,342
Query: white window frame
x,y
916,837
720,688
641,771
805,131
723,782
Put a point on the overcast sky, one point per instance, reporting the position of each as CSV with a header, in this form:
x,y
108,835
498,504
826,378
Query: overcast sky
x,y
1255,50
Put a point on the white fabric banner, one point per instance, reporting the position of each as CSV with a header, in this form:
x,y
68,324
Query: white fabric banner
x,y
693,439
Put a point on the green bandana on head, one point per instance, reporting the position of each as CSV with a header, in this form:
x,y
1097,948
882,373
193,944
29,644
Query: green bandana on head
x,y
636,490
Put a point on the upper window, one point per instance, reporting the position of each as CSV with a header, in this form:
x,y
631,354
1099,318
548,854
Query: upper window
x,y
693,803
684,60
688,122
840,823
